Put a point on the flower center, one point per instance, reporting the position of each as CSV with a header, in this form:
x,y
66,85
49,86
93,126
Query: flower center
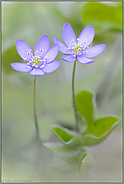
x,y
77,49
36,61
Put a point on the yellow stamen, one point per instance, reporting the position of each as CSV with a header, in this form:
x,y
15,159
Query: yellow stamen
x,y
77,49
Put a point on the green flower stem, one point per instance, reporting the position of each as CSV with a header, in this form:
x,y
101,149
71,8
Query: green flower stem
x,y
73,97
34,101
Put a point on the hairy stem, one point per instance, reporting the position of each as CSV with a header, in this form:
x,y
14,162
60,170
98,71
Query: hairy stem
x,y
73,97
35,116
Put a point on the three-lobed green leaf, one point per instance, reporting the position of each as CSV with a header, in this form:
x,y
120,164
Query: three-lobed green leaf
x,y
97,130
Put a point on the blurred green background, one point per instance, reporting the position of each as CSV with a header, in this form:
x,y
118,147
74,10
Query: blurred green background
x,y
21,159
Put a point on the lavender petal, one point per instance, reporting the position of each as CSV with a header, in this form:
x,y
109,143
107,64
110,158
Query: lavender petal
x,y
36,72
68,35
51,53
95,50
86,36
62,47
42,46
84,60
24,50
21,67
68,58
51,67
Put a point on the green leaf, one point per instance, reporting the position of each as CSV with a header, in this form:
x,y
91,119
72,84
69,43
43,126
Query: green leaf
x,y
85,105
67,137
103,125
100,130
102,17
95,133
96,130
69,154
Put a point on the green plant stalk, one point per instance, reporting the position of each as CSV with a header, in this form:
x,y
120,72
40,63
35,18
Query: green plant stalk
x,y
34,103
73,97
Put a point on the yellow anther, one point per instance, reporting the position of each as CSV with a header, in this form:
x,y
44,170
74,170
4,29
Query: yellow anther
x,y
77,49
36,61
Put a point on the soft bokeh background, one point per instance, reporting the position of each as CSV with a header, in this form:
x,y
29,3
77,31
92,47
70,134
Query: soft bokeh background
x,y
21,159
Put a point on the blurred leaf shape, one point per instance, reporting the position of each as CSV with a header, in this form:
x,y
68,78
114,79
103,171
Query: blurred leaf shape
x,y
69,154
58,173
82,166
65,172
9,56
102,17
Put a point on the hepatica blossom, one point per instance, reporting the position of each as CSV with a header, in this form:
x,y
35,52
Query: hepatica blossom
x,y
78,48
41,61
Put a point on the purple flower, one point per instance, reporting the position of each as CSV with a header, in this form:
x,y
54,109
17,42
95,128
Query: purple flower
x,y
78,48
41,61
